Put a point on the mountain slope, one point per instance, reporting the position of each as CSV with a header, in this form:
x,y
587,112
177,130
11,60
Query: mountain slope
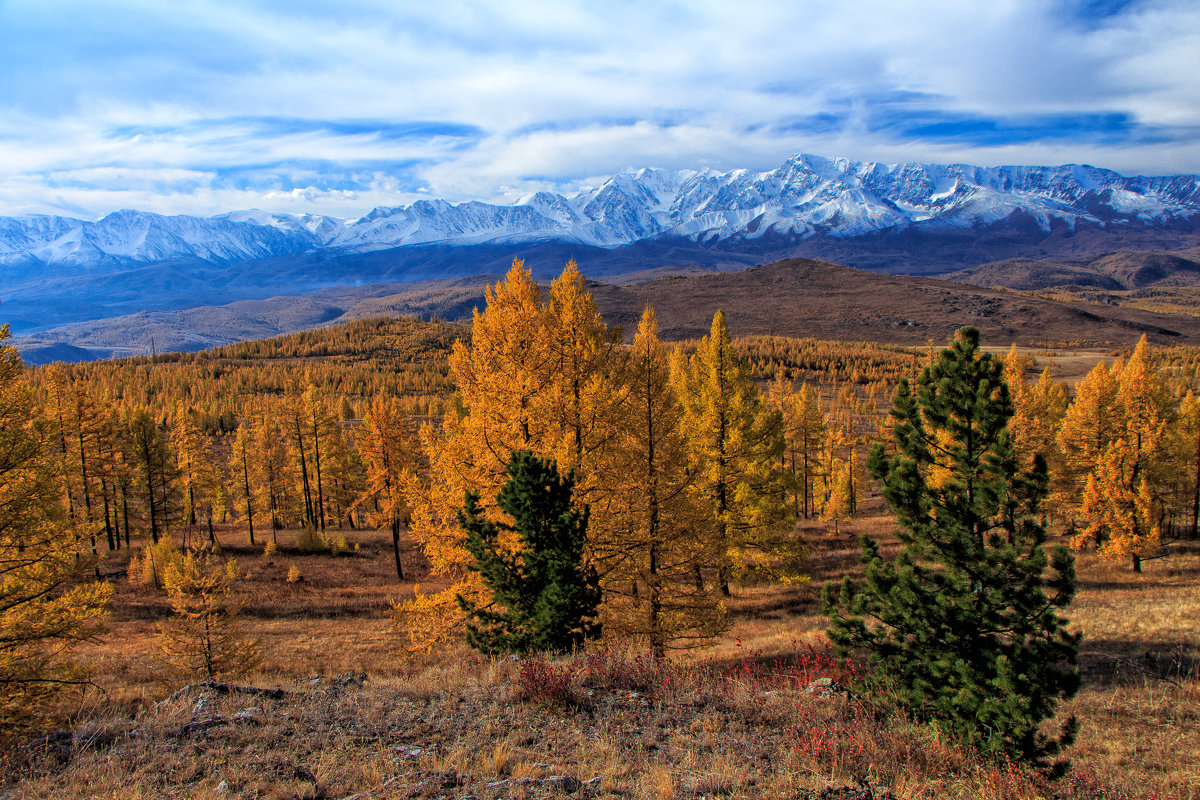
x,y
1123,269
801,297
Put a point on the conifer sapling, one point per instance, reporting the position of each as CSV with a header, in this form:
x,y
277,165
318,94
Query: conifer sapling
x,y
544,598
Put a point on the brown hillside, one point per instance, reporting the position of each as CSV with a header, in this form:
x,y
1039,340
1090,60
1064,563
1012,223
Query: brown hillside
x,y
795,297
1124,269
800,297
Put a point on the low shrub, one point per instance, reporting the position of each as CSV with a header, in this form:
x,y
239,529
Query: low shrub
x,y
546,683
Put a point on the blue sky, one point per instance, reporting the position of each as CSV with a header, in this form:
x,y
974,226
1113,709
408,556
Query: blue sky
x,y
209,106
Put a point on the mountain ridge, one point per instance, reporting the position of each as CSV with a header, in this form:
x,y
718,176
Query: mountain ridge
x,y
806,197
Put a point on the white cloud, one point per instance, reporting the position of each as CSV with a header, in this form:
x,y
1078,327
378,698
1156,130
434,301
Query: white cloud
x,y
559,92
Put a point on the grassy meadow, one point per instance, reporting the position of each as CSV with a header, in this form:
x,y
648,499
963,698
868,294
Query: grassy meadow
x,y
739,719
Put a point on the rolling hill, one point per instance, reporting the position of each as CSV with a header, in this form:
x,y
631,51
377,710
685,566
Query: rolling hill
x,y
795,297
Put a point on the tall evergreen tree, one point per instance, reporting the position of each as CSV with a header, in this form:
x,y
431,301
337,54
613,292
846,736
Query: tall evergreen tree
x,y
240,456
199,476
963,627
156,484
544,598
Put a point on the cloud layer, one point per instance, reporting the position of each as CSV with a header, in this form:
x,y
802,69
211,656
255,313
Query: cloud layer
x,y
209,106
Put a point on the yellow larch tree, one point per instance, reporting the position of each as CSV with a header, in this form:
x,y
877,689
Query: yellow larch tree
x,y
582,387
155,482
389,447
1187,438
271,473
1091,423
735,445
837,441
1038,413
346,474
805,447
838,506
1122,519
781,397
503,380
647,548
1147,412
199,478
294,424
324,438
1126,438
241,454
203,639
82,429
47,603
1027,427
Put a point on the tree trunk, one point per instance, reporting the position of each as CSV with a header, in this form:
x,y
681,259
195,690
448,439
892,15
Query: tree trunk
x,y
317,464
1196,493
249,498
396,548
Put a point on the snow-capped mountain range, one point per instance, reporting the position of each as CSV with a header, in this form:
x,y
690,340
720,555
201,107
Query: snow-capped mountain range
x,y
806,196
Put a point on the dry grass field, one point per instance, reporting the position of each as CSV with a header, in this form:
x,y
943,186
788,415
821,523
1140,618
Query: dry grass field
x,y
733,720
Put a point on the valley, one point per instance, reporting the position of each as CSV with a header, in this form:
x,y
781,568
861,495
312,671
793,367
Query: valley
x,y
794,297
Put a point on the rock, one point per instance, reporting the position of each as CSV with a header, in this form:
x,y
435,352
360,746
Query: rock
x,y
822,687
248,716
564,783
201,725
222,788
355,679
408,751
58,743
203,703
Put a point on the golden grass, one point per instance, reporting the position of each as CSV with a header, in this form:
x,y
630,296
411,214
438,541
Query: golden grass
x,y
721,723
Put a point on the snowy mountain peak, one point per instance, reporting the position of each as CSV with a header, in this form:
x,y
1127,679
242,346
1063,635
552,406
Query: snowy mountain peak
x,y
807,195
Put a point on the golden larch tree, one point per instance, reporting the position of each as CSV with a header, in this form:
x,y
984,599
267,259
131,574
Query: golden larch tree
x,y
1091,423
1187,434
271,474
204,639
582,389
391,453
1122,519
240,458
805,447
535,375
47,603
735,445
502,378
200,480
648,549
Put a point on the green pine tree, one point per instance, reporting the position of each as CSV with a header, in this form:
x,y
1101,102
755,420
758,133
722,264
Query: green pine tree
x,y
963,627
544,598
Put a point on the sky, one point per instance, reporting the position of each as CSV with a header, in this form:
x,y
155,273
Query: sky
x,y
301,106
